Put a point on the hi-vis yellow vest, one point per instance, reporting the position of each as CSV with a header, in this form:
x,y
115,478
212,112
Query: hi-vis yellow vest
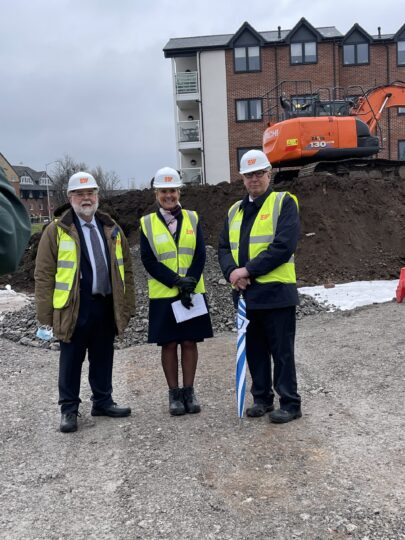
x,y
261,235
67,266
176,257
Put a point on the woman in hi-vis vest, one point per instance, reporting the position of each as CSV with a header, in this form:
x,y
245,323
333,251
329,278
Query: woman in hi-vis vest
x,y
173,253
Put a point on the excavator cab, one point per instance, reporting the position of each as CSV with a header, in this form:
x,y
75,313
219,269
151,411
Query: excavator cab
x,y
314,107
306,127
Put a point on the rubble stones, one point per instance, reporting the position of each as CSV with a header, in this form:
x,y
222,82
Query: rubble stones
x,y
21,326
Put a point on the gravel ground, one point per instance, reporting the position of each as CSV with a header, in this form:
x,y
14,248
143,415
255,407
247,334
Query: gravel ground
x,y
336,473
21,326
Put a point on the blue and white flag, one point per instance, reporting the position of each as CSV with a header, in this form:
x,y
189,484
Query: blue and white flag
x,y
241,325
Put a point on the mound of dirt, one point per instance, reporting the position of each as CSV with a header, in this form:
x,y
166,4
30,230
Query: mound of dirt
x,y
351,229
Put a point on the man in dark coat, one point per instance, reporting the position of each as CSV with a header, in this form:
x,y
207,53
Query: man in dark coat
x,y
256,255
84,289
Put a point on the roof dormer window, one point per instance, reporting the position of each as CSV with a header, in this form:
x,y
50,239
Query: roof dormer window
x,y
247,58
401,53
355,53
303,53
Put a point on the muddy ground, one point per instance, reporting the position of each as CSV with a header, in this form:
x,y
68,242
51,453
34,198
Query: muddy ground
x,y
336,473
352,228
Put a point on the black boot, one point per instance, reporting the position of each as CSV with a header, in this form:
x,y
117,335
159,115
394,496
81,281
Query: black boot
x,y
176,404
68,422
190,400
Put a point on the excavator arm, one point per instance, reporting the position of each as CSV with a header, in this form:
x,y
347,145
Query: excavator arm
x,y
370,107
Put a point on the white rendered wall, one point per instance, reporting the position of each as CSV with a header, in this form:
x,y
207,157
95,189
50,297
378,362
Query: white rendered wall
x,y
214,116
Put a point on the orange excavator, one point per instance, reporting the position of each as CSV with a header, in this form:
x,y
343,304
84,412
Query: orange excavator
x,y
329,130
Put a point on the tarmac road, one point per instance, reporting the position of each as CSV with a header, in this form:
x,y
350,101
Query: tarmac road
x,y
336,473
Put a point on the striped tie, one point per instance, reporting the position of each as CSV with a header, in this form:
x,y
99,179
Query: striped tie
x,y
102,278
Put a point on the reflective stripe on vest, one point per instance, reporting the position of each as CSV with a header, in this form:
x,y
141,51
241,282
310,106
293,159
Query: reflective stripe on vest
x,y
177,258
120,258
261,235
67,266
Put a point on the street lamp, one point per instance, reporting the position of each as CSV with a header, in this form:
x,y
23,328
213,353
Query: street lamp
x,y
47,185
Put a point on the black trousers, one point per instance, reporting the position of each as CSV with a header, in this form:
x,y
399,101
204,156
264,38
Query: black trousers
x,y
94,334
271,334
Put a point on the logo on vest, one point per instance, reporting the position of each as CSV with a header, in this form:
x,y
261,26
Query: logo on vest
x,y
189,231
264,216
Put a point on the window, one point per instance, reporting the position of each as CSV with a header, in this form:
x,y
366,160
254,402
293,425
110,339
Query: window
x,y
241,151
303,53
401,110
248,110
355,53
247,59
26,180
401,53
44,181
401,150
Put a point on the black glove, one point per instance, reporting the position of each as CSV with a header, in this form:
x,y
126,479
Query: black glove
x,y
185,299
186,284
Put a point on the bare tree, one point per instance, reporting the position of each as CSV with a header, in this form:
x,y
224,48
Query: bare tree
x,y
65,167
107,181
63,171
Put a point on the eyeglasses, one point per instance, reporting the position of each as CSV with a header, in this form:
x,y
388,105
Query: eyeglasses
x,y
258,174
84,193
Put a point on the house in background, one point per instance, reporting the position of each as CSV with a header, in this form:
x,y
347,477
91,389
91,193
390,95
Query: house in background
x,y
220,83
36,192
10,173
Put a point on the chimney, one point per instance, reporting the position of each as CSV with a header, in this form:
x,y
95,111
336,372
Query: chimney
x,y
379,32
279,32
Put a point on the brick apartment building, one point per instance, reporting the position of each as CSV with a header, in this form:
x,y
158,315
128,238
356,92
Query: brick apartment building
x,y
220,83
36,192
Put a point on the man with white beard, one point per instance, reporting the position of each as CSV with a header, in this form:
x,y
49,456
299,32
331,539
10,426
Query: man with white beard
x,y
84,290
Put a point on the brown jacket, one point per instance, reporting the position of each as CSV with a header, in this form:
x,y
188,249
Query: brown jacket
x,y
64,320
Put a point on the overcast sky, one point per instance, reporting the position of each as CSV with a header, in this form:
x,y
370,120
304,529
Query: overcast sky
x,y
88,77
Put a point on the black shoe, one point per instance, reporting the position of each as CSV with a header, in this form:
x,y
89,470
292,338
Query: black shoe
x,y
112,410
281,416
68,422
176,403
259,409
190,400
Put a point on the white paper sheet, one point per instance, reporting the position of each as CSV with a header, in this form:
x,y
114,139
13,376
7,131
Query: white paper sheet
x,y
183,314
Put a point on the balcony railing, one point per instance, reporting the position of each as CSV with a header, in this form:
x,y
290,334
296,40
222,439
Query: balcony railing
x,y
187,83
189,131
192,175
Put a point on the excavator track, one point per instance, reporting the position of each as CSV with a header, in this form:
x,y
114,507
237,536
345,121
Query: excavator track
x,y
347,168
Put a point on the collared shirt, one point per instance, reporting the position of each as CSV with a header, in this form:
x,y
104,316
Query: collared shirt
x,y
86,234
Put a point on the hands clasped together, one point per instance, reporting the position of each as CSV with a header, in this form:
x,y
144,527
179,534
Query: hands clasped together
x,y
239,278
186,286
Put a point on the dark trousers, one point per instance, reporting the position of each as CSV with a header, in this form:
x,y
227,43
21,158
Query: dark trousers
x,y
94,333
271,334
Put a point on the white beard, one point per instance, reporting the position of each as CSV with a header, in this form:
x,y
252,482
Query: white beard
x,y
85,212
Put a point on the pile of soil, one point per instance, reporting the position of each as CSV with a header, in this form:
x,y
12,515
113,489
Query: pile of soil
x,y
351,229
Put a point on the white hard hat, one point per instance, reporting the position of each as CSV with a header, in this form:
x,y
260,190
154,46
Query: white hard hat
x,y
81,180
166,177
254,160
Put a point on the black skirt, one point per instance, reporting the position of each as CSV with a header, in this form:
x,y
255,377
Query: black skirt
x,y
163,327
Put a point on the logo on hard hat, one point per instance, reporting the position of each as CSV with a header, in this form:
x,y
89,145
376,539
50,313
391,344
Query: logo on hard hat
x,y
251,161
168,179
84,180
